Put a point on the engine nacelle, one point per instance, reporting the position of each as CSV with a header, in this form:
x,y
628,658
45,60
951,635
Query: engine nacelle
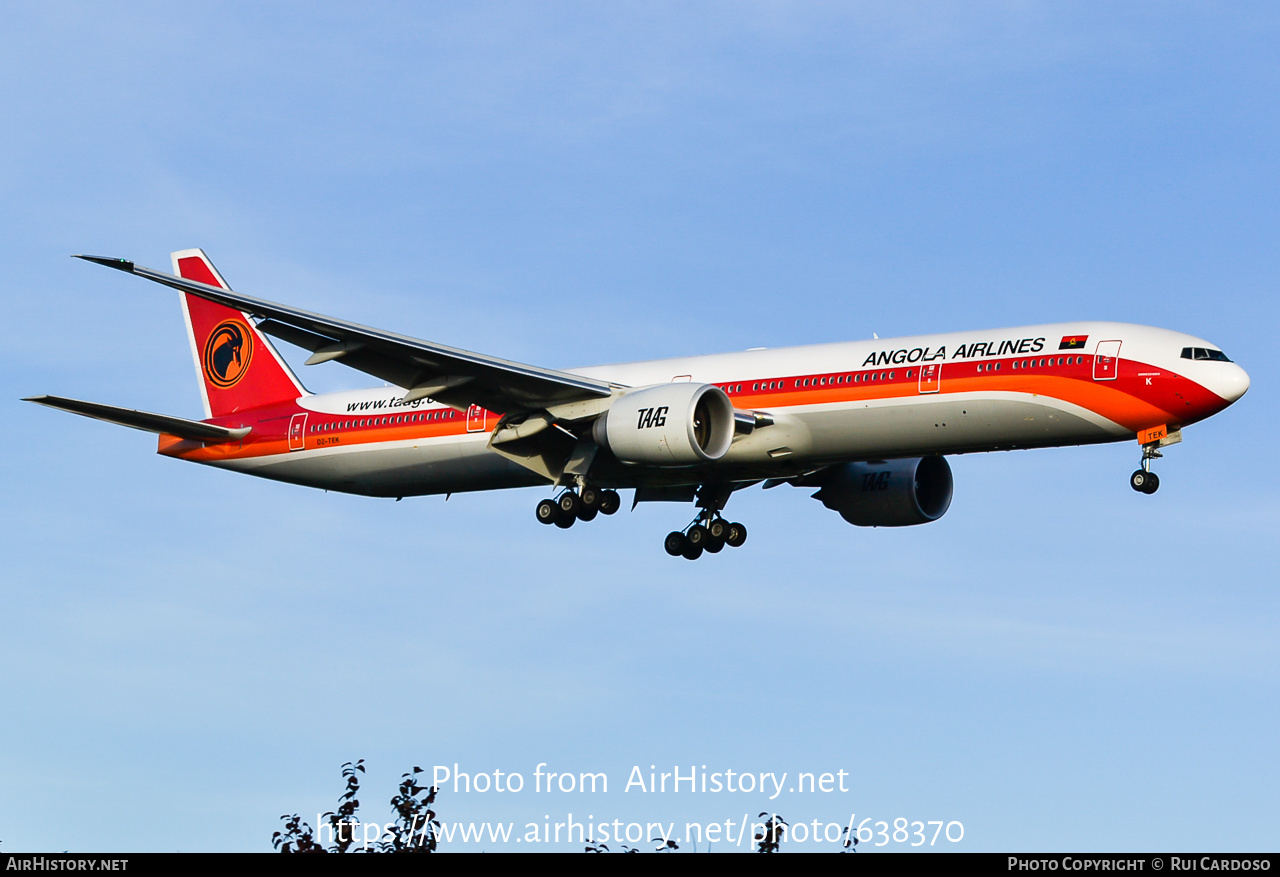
x,y
668,425
893,494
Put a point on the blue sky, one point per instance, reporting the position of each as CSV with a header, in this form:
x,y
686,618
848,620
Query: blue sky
x,y
1059,663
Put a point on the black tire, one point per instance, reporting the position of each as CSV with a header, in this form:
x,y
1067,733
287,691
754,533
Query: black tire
x,y
737,535
570,504
587,513
692,553
610,502
1152,485
714,545
563,521
548,512
719,529
590,498
674,543
698,536
1139,480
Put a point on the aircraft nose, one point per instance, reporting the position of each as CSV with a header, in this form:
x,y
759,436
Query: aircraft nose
x,y
1232,383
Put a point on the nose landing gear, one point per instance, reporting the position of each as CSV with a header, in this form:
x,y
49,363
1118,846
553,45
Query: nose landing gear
x,y
1144,480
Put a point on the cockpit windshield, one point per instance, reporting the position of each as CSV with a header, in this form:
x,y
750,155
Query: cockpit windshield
x,y
1204,353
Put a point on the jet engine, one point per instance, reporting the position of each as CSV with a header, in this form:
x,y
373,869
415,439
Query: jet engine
x,y
679,424
893,494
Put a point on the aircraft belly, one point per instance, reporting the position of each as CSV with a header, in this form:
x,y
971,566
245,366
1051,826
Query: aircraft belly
x,y
403,469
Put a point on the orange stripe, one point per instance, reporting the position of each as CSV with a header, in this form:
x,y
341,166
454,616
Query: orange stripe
x,y
1105,398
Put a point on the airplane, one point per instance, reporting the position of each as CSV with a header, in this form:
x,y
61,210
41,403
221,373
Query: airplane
x,y
867,423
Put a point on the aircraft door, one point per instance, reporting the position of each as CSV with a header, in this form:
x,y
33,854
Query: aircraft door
x,y
1106,361
476,418
931,377
298,432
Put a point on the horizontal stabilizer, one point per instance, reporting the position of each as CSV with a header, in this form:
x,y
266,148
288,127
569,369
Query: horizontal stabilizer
x,y
161,423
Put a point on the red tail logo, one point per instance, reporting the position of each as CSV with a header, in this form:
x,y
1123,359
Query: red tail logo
x,y
227,353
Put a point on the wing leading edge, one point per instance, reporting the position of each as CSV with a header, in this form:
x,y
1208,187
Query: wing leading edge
x,y
452,376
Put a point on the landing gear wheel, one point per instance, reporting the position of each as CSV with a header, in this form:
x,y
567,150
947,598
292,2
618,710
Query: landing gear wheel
x,y
570,504
588,513
1144,481
737,535
610,502
563,521
719,530
674,543
714,545
590,499
693,552
548,512
698,537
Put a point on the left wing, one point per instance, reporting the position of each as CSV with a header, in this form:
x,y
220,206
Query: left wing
x,y
455,377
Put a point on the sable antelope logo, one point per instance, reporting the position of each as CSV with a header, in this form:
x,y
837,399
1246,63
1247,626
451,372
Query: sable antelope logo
x,y
227,353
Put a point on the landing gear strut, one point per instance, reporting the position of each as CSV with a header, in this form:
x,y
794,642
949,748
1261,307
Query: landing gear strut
x,y
1144,480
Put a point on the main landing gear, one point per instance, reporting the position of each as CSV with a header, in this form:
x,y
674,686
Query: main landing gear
x,y
581,505
708,532
1144,480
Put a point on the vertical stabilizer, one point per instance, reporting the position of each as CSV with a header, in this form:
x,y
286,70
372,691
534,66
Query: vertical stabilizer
x,y
237,367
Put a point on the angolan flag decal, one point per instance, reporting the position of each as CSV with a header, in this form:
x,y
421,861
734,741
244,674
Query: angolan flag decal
x,y
1073,342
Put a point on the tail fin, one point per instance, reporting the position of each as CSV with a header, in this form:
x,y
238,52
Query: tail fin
x,y
237,366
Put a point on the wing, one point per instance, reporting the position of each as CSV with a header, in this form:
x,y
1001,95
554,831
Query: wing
x,y
424,368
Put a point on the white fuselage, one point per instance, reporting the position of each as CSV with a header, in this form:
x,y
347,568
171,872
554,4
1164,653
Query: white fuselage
x,y
940,394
